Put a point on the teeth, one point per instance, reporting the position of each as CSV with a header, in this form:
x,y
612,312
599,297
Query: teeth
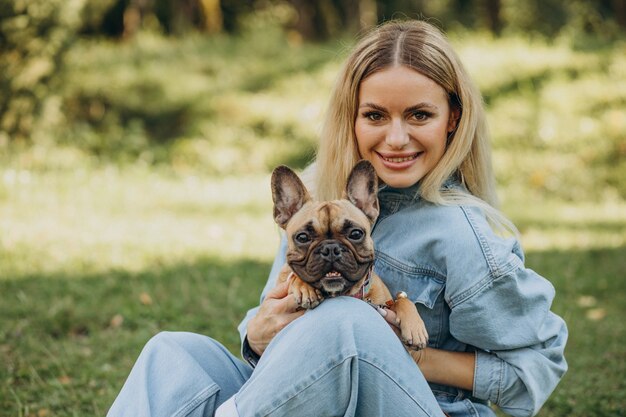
x,y
396,160
333,274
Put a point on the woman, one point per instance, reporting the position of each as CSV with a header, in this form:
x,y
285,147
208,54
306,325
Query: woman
x,y
403,101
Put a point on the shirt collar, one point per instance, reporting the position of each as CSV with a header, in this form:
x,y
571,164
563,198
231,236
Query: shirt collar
x,y
413,192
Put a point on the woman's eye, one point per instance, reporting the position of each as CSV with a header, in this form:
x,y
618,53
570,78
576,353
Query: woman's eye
x,y
373,116
421,115
303,237
356,234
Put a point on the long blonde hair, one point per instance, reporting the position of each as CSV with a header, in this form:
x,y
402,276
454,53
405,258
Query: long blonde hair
x,y
424,48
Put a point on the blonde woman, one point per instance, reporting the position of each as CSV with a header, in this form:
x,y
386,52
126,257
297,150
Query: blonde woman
x,y
404,102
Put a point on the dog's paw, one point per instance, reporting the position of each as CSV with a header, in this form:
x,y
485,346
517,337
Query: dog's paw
x,y
306,296
413,334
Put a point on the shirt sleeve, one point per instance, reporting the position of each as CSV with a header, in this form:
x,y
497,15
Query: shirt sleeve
x,y
505,314
246,352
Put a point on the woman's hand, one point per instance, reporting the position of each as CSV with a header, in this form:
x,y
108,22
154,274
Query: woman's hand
x,y
277,310
439,366
390,317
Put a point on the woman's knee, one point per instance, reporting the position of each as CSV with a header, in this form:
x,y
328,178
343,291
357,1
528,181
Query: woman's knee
x,y
207,352
345,324
180,339
346,314
201,358
162,340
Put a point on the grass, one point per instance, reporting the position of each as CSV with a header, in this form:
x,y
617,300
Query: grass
x,y
95,263
143,202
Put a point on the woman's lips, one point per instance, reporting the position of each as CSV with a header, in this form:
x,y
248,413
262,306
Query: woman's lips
x,y
399,161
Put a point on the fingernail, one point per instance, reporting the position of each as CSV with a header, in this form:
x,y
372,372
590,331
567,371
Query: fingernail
x,y
382,311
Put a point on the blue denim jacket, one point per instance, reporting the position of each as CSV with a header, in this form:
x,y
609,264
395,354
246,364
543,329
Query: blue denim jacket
x,y
474,294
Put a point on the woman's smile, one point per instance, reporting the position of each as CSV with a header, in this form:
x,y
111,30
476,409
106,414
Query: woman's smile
x,y
399,161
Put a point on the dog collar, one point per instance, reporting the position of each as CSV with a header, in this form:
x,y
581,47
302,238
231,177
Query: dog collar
x,y
365,288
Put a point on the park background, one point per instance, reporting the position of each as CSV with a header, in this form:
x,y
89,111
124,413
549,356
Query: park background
x,y
137,137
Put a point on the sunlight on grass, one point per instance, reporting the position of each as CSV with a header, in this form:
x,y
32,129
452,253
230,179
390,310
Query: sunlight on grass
x,y
557,225
133,219
93,221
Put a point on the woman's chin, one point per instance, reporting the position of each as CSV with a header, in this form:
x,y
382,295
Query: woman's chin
x,y
399,180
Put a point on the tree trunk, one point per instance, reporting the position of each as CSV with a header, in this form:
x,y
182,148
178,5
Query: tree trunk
x,y
133,16
310,20
213,20
619,8
493,16
368,14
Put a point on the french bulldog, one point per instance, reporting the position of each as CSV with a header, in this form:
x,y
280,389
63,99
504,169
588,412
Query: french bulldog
x,y
330,250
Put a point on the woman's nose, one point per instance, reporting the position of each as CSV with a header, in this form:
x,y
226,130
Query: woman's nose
x,y
398,135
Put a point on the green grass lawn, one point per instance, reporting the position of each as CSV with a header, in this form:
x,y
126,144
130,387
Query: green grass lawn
x,y
94,263
143,202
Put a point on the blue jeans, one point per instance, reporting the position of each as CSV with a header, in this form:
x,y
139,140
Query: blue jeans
x,y
340,359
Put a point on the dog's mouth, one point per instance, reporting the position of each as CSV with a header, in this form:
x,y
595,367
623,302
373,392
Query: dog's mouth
x,y
333,283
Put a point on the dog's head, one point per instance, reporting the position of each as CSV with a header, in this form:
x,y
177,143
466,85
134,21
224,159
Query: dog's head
x,y
329,242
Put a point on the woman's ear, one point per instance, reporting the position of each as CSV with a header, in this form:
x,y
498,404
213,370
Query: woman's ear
x,y
453,120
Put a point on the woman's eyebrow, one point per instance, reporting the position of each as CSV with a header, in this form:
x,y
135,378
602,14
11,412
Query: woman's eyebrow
x,y
423,105
373,106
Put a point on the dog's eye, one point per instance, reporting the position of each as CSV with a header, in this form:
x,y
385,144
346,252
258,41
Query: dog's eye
x,y
356,234
303,237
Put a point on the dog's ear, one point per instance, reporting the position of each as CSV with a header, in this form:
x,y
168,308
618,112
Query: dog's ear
x,y
288,194
362,189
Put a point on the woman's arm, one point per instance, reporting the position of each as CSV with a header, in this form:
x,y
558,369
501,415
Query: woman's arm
x,y
277,309
503,309
443,367
519,360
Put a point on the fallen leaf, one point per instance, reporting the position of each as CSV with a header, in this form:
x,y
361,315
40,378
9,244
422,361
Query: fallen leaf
x,y
64,379
596,314
145,299
117,321
587,301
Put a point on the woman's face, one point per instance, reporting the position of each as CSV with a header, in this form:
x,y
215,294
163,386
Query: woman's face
x,y
402,124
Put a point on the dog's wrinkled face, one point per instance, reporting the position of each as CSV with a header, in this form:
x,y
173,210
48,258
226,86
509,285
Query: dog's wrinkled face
x,y
330,246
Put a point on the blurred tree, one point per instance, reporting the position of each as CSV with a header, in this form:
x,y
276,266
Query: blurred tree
x,y
494,20
387,10
465,12
34,37
99,17
234,10
124,18
178,17
319,20
619,6
310,22
597,13
212,14
359,14
134,14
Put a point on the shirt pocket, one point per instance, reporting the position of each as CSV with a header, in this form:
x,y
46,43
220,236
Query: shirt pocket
x,y
423,286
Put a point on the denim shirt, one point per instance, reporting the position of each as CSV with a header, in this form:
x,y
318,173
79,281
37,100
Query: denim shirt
x,y
474,294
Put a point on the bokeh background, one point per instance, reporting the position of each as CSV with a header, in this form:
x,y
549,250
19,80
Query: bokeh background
x,y
137,137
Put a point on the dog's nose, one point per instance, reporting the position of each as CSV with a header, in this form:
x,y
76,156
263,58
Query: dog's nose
x,y
331,252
